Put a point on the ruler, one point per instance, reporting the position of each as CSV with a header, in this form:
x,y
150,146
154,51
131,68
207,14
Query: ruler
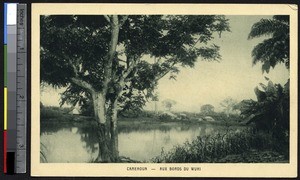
x,y
21,88
15,74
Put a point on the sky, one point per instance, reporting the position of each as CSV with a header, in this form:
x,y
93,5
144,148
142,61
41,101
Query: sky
x,y
211,82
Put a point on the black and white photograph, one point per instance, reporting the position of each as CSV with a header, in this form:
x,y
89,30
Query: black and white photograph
x,y
164,88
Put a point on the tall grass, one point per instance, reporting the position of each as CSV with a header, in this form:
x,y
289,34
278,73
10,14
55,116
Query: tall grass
x,y
43,157
212,148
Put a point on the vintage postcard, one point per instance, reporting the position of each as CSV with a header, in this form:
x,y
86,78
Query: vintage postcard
x,y
164,90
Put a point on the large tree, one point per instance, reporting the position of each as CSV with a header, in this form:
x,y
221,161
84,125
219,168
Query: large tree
x,y
228,106
168,104
207,109
105,59
276,48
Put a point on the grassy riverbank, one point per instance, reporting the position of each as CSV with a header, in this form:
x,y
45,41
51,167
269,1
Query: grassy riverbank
x,y
242,147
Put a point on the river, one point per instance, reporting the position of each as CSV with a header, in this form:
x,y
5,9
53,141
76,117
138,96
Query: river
x,y
77,142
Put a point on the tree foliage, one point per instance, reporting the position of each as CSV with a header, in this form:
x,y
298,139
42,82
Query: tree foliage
x,y
207,109
228,105
168,104
74,51
273,50
132,103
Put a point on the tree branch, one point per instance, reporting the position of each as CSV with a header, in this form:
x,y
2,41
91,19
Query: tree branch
x,y
122,21
111,51
79,82
130,68
73,67
145,95
122,60
122,80
107,18
164,73
85,85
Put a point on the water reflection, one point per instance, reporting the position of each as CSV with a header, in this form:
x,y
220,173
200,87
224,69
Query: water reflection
x,y
65,146
145,145
77,143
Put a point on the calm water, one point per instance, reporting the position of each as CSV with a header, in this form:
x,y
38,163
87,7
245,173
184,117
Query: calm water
x,y
75,143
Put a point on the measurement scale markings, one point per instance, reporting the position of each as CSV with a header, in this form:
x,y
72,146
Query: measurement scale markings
x,y
21,89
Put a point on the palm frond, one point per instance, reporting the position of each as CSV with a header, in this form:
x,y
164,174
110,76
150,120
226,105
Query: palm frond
x,y
267,27
260,51
271,52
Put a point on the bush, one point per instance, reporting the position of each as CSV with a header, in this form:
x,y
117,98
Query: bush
x,y
129,114
149,114
50,112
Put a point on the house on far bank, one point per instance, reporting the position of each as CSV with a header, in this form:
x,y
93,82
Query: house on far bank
x,y
206,119
200,119
209,119
168,114
183,116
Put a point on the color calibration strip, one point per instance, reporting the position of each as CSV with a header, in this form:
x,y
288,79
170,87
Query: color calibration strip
x,y
15,88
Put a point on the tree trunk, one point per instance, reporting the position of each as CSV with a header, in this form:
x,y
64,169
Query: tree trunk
x,y
107,129
114,132
105,154
95,105
103,134
107,120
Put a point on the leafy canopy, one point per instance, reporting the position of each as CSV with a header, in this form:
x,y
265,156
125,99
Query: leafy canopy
x,y
207,109
76,46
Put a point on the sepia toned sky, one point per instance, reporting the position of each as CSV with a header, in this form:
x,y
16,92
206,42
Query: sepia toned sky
x,y
211,82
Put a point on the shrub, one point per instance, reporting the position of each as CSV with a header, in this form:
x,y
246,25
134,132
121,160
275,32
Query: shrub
x,y
50,112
